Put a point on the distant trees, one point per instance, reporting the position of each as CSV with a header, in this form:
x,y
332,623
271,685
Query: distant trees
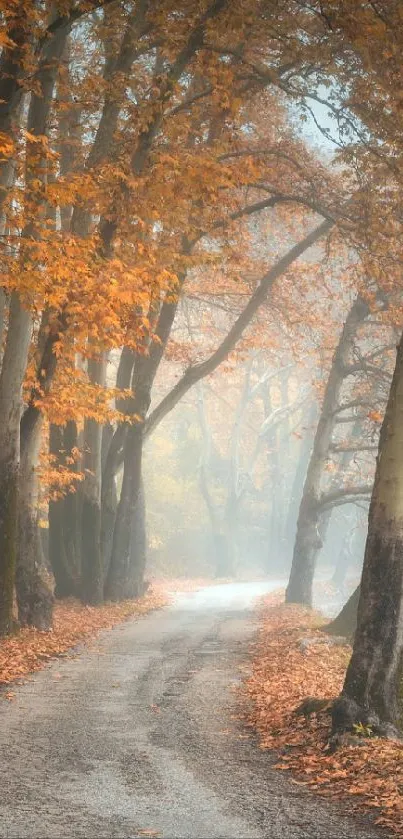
x,y
238,475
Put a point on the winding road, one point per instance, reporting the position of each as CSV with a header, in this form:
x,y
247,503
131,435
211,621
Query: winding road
x,y
137,736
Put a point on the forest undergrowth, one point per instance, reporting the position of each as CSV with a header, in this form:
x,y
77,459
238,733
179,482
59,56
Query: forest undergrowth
x,y
293,661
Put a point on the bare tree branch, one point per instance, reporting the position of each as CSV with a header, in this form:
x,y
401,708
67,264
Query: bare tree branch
x,y
199,371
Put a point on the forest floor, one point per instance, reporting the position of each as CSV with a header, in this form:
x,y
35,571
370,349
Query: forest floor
x,y
293,660
140,735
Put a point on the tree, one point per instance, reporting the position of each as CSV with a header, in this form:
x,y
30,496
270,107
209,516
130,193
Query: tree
x,y
370,691
307,541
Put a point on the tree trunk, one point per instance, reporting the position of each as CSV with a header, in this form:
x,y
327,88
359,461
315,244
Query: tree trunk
x,y
112,443
346,621
138,547
109,505
308,540
298,480
64,573
11,378
65,586
118,581
8,535
223,557
92,565
33,582
72,510
370,692
11,91
109,495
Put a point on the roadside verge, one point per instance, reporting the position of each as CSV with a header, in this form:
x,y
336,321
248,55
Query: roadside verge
x,y
294,661
74,623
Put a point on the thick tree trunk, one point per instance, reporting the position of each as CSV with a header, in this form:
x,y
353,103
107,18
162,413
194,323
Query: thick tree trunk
x,y
308,539
65,585
112,444
118,581
11,378
34,584
370,692
8,536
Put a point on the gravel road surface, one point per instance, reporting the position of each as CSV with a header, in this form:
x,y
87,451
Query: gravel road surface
x,y
137,737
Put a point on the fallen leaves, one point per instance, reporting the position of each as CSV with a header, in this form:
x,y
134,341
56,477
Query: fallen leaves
x,y
31,649
285,672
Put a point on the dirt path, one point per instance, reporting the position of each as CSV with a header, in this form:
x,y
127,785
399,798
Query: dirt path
x,y
136,735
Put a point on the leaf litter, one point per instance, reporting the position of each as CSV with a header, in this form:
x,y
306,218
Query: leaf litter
x,y
31,649
284,673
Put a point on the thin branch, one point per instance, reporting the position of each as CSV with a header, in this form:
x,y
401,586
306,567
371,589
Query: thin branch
x,y
351,448
344,495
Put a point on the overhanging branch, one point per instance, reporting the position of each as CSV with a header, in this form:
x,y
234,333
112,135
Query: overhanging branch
x,y
344,495
199,371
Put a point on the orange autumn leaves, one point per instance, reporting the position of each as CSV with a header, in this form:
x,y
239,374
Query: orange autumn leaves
x,y
285,672
74,623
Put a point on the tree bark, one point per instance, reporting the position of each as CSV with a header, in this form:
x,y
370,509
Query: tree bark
x,y
11,378
308,539
11,91
92,564
370,691
111,453
297,487
109,495
138,547
64,519
64,582
34,584
119,579
345,622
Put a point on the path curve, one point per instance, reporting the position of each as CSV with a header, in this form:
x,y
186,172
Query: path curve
x,y
137,735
